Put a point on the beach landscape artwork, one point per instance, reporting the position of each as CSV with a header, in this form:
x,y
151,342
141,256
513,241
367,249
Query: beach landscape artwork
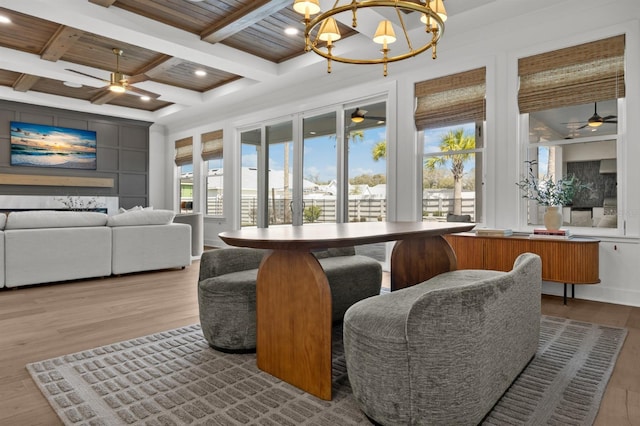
x,y
50,146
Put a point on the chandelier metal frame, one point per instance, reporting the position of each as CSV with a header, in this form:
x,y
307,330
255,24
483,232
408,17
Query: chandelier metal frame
x,y
434,25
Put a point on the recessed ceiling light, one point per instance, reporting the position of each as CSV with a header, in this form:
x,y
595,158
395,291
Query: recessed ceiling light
x,y
200,73
145,98
72,84
4,20
291,31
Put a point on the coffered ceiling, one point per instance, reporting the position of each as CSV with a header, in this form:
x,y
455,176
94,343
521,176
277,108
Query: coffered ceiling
x,y
49,47
60,53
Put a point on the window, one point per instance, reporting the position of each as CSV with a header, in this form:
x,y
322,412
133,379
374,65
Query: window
x,y
570,101
450,115
184,161
212,155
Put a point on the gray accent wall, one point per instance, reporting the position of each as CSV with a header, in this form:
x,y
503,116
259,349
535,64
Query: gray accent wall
x,y
122,153
602,185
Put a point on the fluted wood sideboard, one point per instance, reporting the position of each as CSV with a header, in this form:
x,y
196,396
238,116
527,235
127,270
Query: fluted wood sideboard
x,y
573,261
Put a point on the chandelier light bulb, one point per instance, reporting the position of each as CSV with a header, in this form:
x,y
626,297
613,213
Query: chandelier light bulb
x,y
438,7
385,33
329,31
306,7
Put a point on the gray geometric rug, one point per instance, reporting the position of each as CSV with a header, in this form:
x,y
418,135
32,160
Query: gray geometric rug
x,y
175,378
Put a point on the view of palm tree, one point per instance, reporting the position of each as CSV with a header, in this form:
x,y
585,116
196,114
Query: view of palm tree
x,y
453,151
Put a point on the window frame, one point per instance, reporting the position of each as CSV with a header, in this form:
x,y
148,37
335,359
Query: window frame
x,y
480,131
526,146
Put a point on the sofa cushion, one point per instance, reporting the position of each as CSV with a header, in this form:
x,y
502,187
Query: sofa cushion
x,y
142,217
3,220
33,219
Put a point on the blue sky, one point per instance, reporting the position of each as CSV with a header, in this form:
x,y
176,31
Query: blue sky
x,y
320,156
432,137
320,153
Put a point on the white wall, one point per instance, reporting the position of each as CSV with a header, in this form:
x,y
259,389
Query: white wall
x,y
157,167
595,151
537,27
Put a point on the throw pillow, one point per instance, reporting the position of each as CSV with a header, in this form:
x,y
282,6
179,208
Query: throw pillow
x,y
142,217
3,220
33,219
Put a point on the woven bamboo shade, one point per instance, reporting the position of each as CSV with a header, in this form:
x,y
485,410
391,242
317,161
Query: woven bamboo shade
x,y
576,75
184,151
451,100
211,145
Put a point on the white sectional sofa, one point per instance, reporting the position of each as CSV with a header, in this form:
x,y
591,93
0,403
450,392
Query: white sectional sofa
x,y
49,246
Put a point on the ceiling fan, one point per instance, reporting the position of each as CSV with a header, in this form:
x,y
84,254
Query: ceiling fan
x,y
359,115
596,120
119,82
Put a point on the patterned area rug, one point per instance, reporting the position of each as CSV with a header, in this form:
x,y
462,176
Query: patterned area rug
x,y
174,378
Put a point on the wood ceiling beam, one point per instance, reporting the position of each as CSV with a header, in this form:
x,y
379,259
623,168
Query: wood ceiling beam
x,y
256,11
105,3
60,42
25,82
104,96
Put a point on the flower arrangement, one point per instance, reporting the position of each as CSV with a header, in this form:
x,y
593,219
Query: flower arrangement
x,y
546,192
80,204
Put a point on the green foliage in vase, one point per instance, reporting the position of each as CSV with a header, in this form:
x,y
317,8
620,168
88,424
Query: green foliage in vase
x,y
547,192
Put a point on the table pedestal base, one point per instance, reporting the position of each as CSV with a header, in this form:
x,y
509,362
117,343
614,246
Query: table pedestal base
x,y
416,260
293,310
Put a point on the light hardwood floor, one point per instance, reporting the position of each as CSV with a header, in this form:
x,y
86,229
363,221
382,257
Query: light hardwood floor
x,y
45,321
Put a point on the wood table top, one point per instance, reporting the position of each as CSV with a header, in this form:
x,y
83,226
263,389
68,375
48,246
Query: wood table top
x,y
325,235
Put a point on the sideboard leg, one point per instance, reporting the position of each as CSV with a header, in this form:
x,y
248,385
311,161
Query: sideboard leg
x,y
565,294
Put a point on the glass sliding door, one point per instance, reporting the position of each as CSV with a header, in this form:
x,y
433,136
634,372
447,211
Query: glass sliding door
x,y
279,142
366,158
320,171
317,168
250,205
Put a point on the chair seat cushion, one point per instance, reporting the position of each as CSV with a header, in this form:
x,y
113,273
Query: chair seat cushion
x,y
227,301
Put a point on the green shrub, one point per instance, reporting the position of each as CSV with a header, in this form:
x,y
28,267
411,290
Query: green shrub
x,y
312,213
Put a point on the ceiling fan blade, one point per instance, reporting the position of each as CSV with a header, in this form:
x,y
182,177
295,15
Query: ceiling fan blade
x,y
611,121
103,96
137,78
609,117
371,117
582,127
87,75
142,92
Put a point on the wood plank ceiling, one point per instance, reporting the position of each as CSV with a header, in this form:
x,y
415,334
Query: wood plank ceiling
x,y
254,27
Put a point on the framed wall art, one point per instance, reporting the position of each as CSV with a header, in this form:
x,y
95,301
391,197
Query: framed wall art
x,y
39,145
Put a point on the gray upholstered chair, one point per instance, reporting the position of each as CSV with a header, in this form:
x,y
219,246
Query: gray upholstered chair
x,y
227,291
444,351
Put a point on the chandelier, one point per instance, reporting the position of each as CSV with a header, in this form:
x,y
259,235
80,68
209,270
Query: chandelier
x,y
321,32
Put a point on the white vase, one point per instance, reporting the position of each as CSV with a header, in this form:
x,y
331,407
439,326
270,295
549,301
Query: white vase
x,y
553,217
